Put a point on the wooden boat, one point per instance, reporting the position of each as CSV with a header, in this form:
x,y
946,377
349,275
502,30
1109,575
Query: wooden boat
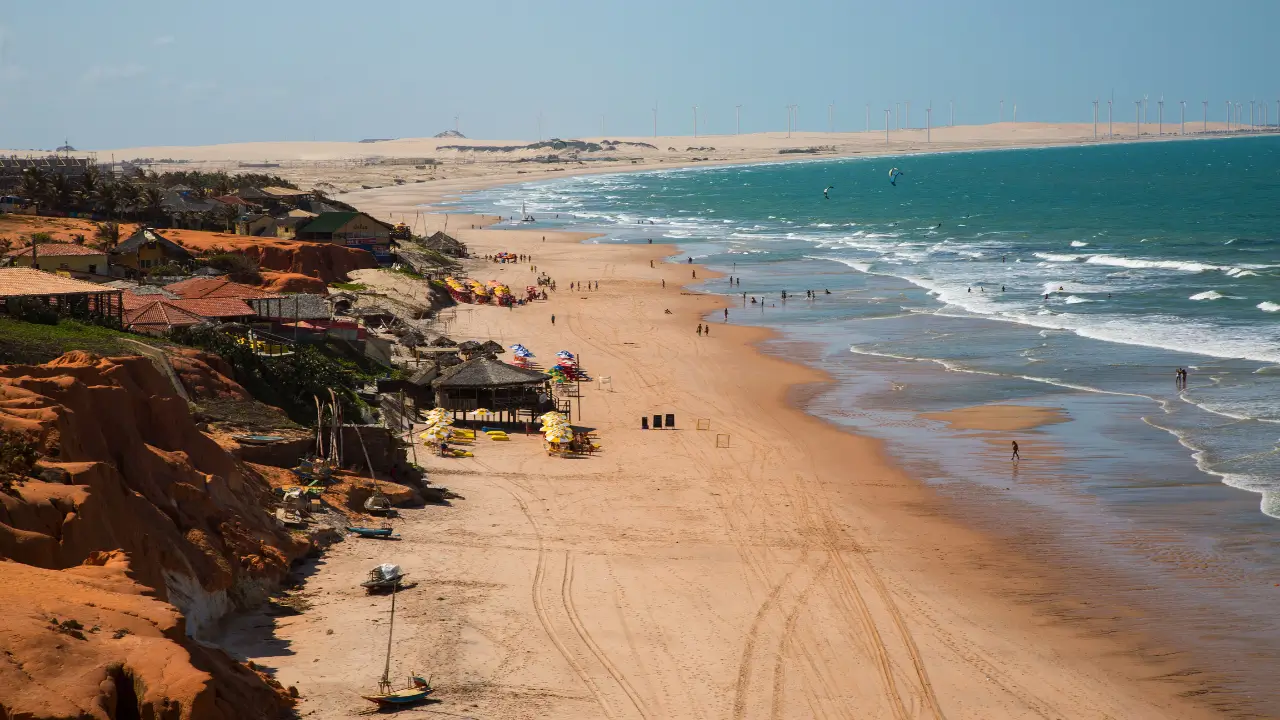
x,y
377,503
384,577
257,439
435,494
415,691
384,533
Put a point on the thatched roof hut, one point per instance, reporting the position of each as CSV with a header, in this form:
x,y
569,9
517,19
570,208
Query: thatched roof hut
x,y
513,393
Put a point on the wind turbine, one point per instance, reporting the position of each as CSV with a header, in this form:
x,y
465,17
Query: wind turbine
x,y
906,115
1002,110
886,126
1160,116
831,120
1205,128
928,123
737,119
953,112
1146,112
695,121
896,123
655,118
1228,116
869,115
1183,122
539,126
1137,116
1253,124
790,109
1109,133
1015,113
1095,119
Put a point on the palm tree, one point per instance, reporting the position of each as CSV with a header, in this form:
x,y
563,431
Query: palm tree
x,y
61,194
153,200
228,214
108,200
89,184
34,184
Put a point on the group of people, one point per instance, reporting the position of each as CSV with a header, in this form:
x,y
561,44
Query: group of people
x,y
1180,379
591,285
704,330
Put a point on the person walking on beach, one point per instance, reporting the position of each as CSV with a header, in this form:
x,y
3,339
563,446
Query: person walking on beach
x,y
1016,457
707,330
664,282
553,319
699,329
726,314
695,274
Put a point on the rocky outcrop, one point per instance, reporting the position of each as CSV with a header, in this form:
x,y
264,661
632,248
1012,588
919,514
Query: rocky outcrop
x,y
133,501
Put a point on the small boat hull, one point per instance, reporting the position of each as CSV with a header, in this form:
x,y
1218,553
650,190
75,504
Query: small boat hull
x,y
371,532
400,698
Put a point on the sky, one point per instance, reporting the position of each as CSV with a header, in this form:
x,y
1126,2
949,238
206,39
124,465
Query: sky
x,y
140,73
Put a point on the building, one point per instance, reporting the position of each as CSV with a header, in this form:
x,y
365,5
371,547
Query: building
x,y
158,317
287,227
66,296
77,260
352,229
258,225
513,394
143,250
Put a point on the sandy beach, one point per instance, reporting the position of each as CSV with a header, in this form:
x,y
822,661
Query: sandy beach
x,y
752,562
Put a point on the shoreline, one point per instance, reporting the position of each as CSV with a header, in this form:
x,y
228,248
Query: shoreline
x,y
891,550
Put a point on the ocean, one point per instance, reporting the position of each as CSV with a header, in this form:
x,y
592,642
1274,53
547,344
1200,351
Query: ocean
x,y
1074,278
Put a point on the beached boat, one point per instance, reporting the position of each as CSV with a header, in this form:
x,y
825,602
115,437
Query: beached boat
x,y
435,494
383,533
377,503
257,439
414,692
384,577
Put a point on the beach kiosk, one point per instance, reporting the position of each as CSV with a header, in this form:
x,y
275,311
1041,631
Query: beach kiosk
x,y
513,394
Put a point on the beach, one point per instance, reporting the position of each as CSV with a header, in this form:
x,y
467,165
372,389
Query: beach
x,y
755,561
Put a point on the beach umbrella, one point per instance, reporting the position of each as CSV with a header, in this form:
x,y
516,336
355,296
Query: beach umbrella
x,y
564,354
482,412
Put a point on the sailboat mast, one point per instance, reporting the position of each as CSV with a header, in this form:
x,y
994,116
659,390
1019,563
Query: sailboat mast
x,y
386,669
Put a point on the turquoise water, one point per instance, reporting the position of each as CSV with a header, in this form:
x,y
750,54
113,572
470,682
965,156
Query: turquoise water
x,y
1071,278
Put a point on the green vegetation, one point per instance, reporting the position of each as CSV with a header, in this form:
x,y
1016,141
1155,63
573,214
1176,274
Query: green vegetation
x,y
290,382
407,272
349,286
24,343
18,455
241,268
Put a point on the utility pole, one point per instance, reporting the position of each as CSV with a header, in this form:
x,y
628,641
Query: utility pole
x,y
886,126
737,119
1095,119
695,121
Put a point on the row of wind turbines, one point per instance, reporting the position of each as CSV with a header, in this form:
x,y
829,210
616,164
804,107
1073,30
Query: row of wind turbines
x,y
899,117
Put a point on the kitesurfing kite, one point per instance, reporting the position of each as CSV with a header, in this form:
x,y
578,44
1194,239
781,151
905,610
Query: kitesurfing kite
x,y
826,190
894,174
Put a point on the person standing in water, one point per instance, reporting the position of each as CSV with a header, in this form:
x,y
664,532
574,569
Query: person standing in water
x,y
726,314
1016,457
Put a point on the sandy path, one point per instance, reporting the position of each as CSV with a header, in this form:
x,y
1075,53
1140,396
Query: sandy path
x,y
793,574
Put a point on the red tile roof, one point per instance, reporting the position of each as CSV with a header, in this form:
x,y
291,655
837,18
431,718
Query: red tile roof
x,y
216,288
56,250
160,315
16,282
214,307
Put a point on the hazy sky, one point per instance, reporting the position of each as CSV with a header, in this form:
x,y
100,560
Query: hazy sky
x,y
121,74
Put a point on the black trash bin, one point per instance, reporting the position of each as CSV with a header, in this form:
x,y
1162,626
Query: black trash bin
x,y
671,420
644,422
657,422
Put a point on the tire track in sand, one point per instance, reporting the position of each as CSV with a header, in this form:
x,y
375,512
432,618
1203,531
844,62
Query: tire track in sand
x,y
544,617
566,594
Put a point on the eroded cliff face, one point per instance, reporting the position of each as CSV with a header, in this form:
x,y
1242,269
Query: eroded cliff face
x,y
139,522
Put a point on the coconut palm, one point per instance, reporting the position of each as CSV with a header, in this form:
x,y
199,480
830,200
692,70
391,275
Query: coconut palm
x,y
60,192
34,186
152,200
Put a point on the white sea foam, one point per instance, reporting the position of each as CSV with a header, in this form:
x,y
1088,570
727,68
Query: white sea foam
x,y
1269,307
1059,257
1077,243
1207,295
1073,300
